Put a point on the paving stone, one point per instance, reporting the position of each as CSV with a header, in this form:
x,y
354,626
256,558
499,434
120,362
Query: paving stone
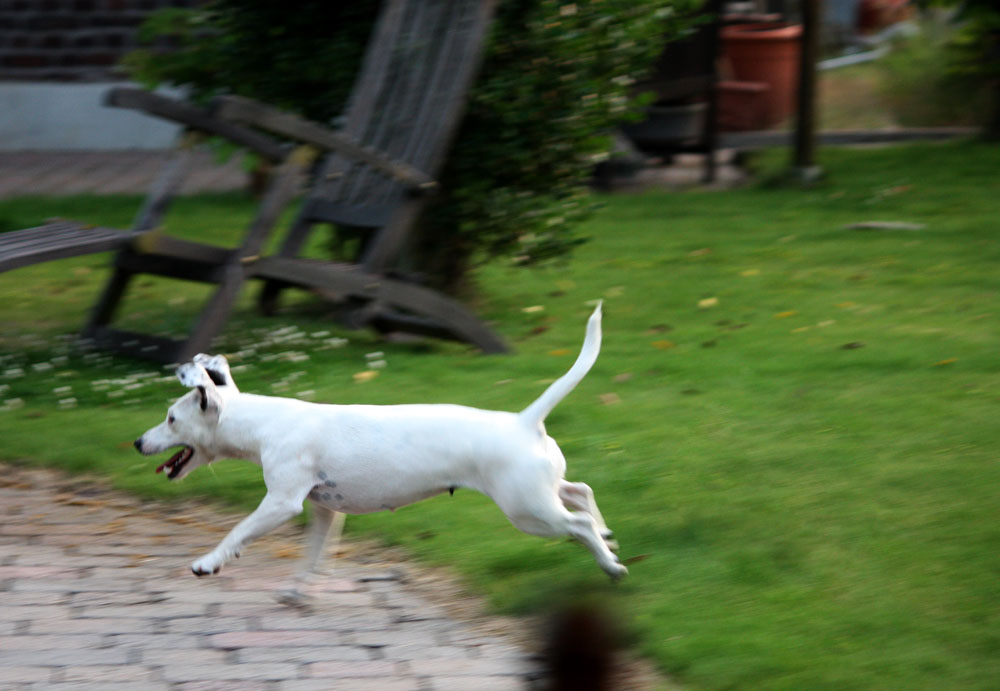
x,y
20,673
444,683
480,667
272,639
369,684
105,673
326,653
230,672
101,686
339,669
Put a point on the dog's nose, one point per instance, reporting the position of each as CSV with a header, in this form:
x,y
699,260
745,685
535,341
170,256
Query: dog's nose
x,y
138,444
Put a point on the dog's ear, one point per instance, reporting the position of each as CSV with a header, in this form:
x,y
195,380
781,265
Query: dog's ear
x,y
192,374
209,401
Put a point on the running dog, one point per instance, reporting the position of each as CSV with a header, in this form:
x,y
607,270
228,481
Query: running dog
x,y
363,458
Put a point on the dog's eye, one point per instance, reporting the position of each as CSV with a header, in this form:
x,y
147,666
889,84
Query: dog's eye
x,y
170,419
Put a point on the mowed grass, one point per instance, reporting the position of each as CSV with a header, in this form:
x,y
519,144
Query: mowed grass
x,y
791,427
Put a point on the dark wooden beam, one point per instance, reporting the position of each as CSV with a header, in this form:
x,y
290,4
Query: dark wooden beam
x,y
804,158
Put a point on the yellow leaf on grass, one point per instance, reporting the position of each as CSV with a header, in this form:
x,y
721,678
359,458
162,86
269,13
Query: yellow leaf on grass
x,y
947,361
786,314
664,345
708,302
532,309
750,272
559,351
367,375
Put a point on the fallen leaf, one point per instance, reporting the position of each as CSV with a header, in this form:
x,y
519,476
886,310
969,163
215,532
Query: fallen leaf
x,y
533,309
801,329
367,375
786,314
750,272
827,322
610,398
559,351
636,558
885,225
659,329
948,361
708,302
664,345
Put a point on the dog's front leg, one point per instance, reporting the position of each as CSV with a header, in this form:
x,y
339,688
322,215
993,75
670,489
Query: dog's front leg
x,y
273,510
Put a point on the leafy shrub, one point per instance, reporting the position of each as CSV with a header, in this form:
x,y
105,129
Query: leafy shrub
x,y
948,71
920,84
557,77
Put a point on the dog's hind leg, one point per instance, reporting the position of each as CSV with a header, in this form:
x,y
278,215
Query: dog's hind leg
x,y
535,509
324,534
579,496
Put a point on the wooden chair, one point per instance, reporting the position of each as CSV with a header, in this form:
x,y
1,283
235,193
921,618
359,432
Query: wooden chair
x,y
374,178
379,169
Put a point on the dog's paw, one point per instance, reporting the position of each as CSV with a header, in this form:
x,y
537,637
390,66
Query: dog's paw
x,y
205,567
615,569
293,597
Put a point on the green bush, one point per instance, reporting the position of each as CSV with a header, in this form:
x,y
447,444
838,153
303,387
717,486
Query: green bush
x,y
948,71
557,77
920,83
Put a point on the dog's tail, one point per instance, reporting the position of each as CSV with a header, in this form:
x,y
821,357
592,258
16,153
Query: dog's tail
x,y
536,413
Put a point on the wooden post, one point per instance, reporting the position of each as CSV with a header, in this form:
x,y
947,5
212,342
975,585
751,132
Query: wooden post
x,y
711,137
804,162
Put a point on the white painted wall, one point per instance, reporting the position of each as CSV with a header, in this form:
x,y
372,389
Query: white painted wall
x,y
46,116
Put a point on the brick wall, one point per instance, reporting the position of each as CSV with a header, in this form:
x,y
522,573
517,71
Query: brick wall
x,y
70,40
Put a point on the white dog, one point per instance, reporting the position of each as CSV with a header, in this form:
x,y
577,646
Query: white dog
x,y
365,458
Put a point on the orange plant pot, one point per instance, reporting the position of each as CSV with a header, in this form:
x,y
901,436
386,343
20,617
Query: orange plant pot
x,y
767,53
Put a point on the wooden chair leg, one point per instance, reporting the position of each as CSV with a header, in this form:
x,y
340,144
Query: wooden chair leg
x,y
215,314
104,311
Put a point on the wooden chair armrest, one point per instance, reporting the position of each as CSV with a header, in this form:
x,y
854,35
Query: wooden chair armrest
x,y
195,118
272,119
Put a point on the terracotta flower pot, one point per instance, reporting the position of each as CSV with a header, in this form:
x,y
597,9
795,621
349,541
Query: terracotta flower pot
x,y
767,53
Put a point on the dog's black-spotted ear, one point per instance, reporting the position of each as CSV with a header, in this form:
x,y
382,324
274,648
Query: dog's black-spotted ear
x,y
204,398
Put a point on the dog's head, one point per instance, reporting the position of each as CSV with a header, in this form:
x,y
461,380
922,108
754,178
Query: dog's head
x,y
190,424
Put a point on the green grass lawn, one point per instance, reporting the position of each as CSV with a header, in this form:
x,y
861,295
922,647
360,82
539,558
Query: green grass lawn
x,y
792,427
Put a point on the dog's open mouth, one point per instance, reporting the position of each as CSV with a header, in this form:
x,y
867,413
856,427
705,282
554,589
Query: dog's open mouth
x,y
176,463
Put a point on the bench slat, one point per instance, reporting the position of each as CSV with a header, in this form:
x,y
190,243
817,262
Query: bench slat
x,y
57,240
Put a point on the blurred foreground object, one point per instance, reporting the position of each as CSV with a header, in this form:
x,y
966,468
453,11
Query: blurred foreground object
x,y
582,646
